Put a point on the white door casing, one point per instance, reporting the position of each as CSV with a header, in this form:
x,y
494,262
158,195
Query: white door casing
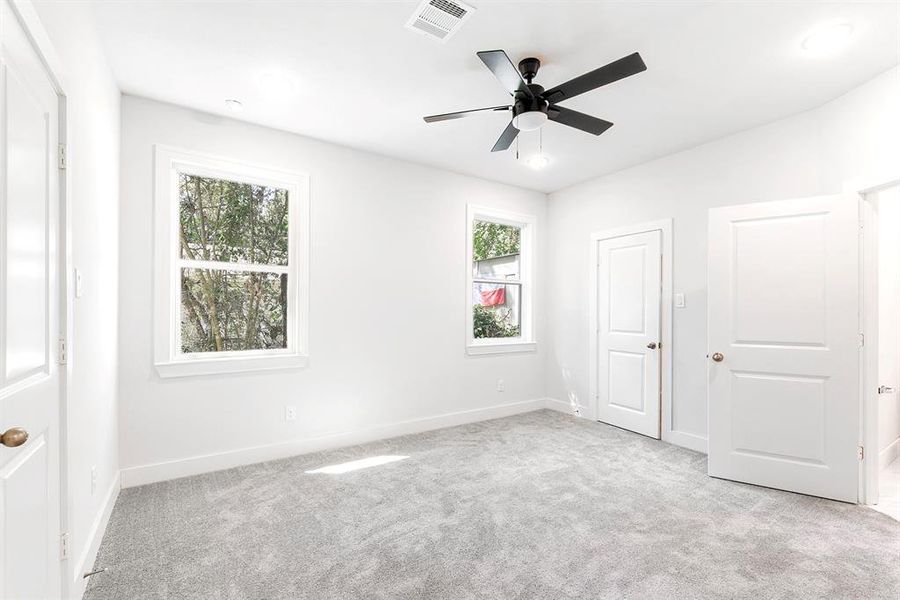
x,y
629,277
784,315
29,318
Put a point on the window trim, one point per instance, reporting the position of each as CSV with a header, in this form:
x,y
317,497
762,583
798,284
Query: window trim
x,y
527,223
167,265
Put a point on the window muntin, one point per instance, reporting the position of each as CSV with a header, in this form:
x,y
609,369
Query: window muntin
x,y
499,274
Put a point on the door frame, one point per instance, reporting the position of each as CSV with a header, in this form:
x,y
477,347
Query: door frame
x,y
868,325
30,21
667,430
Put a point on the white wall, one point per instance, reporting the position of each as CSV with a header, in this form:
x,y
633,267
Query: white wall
x,y
93,152
855,137
392,353
888,206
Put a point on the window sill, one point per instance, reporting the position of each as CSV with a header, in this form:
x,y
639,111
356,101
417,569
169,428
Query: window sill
x,y
500,348
232,364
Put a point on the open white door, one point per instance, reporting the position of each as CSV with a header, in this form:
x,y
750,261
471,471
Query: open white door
x,y
29,320
784,345
628,331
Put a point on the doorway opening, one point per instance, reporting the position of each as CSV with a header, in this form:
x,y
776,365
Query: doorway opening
x,y
882,358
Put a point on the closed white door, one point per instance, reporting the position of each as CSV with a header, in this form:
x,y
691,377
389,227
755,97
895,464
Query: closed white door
x,y
628,331
29,320
784,345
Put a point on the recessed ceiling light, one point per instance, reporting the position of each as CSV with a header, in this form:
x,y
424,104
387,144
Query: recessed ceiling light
x,y
233,106
277,83
827,39
538,161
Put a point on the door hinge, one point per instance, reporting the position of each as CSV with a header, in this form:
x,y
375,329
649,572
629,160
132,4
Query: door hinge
x,y
860,452
61,351
63,546
61,156
862,340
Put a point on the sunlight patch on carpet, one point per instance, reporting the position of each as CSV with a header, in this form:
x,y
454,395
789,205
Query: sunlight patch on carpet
x,y
355,465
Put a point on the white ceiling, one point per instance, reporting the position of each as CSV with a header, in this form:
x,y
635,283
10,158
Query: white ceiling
x,y
365,81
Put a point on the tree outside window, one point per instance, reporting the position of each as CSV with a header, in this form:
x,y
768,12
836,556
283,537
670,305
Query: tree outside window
x,y
233,268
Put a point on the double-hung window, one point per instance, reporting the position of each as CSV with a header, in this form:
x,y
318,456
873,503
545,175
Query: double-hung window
x,y
499,292
230,266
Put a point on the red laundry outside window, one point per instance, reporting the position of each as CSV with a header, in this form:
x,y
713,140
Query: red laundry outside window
x,y
493,297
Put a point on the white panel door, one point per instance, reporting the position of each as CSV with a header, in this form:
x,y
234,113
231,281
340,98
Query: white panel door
x,y
784,344
628,331
29,320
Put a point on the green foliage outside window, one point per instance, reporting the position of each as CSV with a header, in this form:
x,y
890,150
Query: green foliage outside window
x,y
492,323
232,222
493,239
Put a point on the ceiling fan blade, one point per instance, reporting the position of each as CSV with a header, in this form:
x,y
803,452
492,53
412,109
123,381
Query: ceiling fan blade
x,y
578,120
506,138
502,68
462,113
614,71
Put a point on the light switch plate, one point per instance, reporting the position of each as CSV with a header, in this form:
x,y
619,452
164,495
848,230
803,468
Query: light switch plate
x,y
679,300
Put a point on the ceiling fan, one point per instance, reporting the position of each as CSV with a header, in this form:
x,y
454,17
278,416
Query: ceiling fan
x,y
533,105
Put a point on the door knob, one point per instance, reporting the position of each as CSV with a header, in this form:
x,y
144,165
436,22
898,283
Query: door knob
x,y
718,357
14,436
652,345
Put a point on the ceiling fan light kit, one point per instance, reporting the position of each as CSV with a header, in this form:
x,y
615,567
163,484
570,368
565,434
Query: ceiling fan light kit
x,y
530,121
533,106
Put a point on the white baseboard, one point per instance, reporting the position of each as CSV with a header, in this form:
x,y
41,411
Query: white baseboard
x,y
684,439
564,407
195,465
691,441
889,454
86,560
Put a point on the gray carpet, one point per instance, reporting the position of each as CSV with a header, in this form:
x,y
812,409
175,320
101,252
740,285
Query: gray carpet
x,y
539,505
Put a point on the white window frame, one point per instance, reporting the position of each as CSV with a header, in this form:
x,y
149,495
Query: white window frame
x,y
526,223
168,358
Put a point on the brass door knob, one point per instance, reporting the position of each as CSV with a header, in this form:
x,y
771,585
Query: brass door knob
x,y
14,436
718,357
652,345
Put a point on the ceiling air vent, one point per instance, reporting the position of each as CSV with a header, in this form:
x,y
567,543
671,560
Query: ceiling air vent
x,y
439,19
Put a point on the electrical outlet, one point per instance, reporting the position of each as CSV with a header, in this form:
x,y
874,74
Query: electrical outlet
x,y
290,413
93,479
501,385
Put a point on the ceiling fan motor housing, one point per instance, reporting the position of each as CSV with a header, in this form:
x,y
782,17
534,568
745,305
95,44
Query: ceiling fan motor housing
x,y
525,104
528,67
